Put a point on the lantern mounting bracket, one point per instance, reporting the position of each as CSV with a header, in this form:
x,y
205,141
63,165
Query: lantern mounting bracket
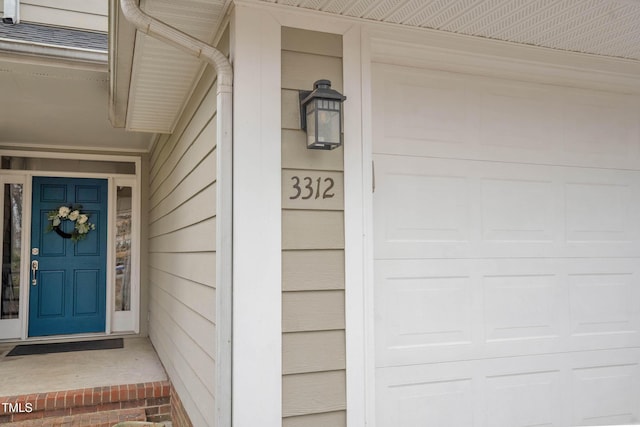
x,y
302,96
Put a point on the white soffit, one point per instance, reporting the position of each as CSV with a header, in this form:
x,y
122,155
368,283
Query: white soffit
x,y
601,27
162,76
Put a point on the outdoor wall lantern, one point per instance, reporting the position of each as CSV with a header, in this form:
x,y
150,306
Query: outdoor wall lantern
x,y
321,116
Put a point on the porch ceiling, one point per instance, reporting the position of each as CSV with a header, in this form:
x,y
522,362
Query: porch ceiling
x,y
50,105
152,87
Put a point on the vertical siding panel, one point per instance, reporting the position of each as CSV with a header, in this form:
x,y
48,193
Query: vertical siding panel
x,y
313,344
182,255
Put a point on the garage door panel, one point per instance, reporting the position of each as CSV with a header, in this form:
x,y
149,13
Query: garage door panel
x,y
427,395
425,314
407,109
524,399
591,388
604,308
517,209
605,387
429,311
437,403
434,207
438,208
601,206
441,114
510,118
521,308
605,395
601,125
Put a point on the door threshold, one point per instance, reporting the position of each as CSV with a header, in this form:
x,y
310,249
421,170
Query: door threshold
x,y
69,338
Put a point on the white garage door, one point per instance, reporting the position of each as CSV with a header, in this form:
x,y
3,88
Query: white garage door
x,y
507,252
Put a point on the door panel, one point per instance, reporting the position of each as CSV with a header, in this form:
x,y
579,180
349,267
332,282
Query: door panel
x,y
70,291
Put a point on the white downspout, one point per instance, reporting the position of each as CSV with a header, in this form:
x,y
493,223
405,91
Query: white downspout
x,y
11,13
161,31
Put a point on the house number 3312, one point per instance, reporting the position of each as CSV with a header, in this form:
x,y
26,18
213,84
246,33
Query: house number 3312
x,y
306,188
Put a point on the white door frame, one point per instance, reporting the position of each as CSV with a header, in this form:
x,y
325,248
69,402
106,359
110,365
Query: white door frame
x,y
132,318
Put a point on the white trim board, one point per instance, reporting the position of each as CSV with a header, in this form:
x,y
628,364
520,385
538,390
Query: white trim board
x,y
8,145
257,284
443,51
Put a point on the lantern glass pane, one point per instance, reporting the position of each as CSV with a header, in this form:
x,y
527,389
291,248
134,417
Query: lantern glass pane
x,y
311,126
329,126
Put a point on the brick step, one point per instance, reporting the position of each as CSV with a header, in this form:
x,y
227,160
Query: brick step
x,y
96,419
153,399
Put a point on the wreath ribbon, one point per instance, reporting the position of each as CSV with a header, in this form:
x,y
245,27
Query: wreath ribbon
x,y
61,233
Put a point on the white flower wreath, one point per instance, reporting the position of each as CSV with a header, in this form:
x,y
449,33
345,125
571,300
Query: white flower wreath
x,y
82,226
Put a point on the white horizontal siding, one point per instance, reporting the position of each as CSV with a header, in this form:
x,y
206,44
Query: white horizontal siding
x,y
184,214
182,236
204,174
195,296
88,15
172,173
192,266
198,346
199,237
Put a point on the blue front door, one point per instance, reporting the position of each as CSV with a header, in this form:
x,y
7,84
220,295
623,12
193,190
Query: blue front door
x,y
68,291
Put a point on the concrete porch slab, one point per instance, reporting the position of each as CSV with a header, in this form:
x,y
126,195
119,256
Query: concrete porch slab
x,y
137,362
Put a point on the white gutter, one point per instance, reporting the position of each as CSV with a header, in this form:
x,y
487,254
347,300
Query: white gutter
x,y
164,32
21,47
